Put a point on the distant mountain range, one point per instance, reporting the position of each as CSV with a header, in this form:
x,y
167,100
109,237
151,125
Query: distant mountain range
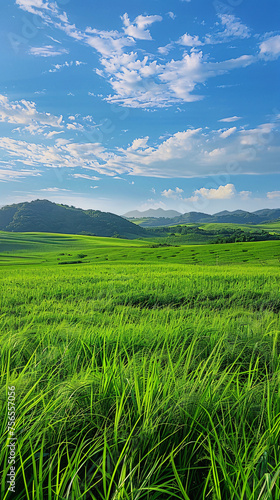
x,y
45,216
162,217
156,213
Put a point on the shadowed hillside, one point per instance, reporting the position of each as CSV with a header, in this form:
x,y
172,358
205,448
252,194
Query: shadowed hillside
x,y
45,216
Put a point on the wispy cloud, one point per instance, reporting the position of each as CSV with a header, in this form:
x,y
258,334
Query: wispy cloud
x,y
273,194
141,81
228,132
85,176
47,51
270,48
54,190
245,195
25,113
173,193
232,28
16,175
171,15
230,119
138,28
191,153
66,64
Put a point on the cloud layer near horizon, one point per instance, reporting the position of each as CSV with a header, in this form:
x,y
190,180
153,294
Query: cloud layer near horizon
x,y
189,153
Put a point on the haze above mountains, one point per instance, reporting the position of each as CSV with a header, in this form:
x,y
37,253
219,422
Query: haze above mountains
x,y
159,212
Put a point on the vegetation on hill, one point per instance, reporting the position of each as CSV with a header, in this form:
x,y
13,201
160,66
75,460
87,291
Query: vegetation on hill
x,y
237,235
210,233
44,216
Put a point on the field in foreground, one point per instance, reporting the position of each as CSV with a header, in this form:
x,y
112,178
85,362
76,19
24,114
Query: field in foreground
x,y
141,379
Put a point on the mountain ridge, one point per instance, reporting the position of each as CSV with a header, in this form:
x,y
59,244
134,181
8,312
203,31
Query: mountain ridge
x,y
225,216
49,217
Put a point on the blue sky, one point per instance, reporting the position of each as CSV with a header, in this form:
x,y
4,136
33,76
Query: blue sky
x,y
118,106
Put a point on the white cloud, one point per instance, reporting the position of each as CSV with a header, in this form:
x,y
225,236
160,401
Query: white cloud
x,y
245,195
273,194
258,136
15,175
25,113
190,41
221,193
191,153
104,42
230,119
85,176
139,81
32,6
233,27
139,144
75,126
270,48
174,194
88,118
137,29
47,51
228,132
144,84
54,190
54,39
166,49
66,64
49,135
43,9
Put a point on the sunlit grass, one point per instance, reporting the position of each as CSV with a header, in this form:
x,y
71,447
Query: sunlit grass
x,y
142,381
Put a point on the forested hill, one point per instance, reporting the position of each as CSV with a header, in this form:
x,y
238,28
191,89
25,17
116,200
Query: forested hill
x,y
45,216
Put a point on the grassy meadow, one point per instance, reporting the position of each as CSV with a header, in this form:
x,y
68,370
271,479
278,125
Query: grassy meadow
x,y
141,371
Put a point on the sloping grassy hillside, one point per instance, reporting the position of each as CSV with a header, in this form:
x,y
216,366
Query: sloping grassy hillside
x,y
45,248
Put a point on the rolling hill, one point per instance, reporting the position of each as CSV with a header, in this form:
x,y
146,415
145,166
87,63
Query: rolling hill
x,y
45,216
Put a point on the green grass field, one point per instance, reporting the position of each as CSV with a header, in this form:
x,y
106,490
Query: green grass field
x,y
140,372
49,249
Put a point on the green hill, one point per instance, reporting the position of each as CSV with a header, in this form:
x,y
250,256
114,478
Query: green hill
x,y
60,249
48,217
